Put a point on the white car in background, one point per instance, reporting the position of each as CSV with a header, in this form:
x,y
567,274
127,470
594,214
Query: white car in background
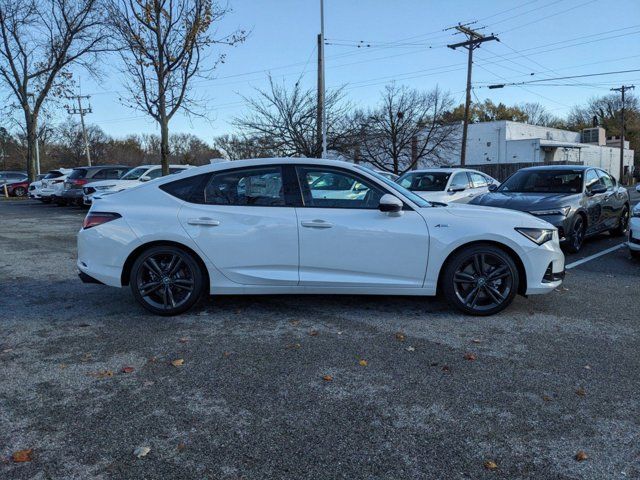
x,y
53,184
259,227
446,185
634,230
97,190
36,187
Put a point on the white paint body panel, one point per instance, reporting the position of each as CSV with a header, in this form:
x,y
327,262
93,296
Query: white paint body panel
x,y
266,250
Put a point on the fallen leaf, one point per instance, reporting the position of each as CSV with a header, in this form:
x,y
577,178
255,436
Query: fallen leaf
x,y
581,455
293,346
178,362
476,340
313,333
226,354
141,451
546,398
181,446
410,349
470,356
581,392
295,323
401,337
587,367
446,369
490,465
363,363
183,340
127,369
327,378
102,374
63,365
22,455
339,333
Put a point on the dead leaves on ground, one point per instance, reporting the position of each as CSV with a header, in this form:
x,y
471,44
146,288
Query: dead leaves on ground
x,y
127,369
472,357
327,378
581,456
363,363
400,336
490,465
178,362
141,451
22,456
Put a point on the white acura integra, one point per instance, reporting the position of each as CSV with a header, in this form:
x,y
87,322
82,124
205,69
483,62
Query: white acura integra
x,y
267,227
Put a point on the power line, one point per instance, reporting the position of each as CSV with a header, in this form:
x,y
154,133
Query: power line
x,y
502,85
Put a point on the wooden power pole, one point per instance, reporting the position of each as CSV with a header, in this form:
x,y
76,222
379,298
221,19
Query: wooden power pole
x,y
622,89
81,111
474,39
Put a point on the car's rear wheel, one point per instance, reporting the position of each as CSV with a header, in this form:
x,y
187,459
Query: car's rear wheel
x,y
167,280
576,234
623,223
480,280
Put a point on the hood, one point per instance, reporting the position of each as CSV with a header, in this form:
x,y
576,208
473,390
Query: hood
x,y
112,184
518,219
442,196
525,202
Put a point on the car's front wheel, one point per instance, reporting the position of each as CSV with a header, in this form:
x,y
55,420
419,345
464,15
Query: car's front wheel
x,y
20,191
167,280
577,231
480,280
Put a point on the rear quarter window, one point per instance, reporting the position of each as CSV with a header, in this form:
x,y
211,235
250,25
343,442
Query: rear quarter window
x,y
189,189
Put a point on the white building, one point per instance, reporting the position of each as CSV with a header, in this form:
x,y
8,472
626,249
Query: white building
x,y
504,141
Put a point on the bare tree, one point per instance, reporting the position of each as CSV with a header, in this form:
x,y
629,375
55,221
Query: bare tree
x,y
537,114
238,147
163,44
39,41
407,128
285,120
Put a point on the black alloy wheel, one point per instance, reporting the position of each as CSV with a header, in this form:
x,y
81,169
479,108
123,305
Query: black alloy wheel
x,y
20,191
623,223
480,280
576,235
166,280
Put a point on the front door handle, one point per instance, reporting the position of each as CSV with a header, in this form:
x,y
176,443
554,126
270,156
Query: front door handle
x,y
317,224
205,221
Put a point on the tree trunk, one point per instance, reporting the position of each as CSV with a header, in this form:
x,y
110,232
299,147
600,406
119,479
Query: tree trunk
x,y
32,138
164,146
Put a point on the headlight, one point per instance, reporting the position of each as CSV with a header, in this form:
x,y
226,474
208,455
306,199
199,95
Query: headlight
x,y
104,187
537,235
552,211
635,212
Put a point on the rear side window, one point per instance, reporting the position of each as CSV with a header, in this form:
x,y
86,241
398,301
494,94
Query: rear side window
x,y
53,174
260,187
78,173
189,189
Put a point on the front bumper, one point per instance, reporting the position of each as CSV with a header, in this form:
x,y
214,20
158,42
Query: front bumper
x,y
72,194
544,266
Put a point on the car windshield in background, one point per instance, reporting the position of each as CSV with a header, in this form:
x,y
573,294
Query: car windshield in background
x,y
425,181
134,174
78,173
544,181
418,200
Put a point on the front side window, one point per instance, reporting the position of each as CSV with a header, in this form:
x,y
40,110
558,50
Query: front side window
x,y
248,187
154,173
606,179
425,181
134,174
544,181
324,188
591,178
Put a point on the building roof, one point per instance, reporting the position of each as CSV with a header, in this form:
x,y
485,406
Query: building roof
x,y
557,143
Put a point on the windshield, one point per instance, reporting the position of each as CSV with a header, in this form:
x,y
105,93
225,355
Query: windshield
x,y
419,201
134,174
544,181
78,173
425,181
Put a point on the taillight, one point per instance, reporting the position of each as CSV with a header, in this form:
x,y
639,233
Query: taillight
x,y
56,181
93,219
79,181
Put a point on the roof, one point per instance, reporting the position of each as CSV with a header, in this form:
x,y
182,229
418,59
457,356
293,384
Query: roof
x,y
559,167
94,167
445,170
556,144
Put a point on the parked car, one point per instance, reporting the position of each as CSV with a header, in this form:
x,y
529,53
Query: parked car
x,y
35,187
389,175
580,201
634,230
259,227
133,177
53,184
447,184
12,177
17,189
72,193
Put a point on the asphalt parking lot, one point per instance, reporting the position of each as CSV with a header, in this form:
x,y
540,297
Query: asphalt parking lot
x,y
410,389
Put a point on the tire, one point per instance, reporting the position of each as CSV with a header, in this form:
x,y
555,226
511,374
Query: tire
x,y
480,280
635,254
167,280
577,231
45,199
623,223
19,192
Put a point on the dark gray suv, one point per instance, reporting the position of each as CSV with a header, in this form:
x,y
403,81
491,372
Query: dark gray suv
x,y
72,193
580,201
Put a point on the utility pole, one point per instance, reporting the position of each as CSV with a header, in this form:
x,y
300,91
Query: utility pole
x,y
81,111
320,107
474,39
322,112
622,89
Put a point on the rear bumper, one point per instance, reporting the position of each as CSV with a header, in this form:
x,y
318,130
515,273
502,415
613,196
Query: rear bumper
x,y
72,194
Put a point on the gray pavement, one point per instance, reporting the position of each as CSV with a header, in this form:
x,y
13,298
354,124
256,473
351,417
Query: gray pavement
x,y
552,375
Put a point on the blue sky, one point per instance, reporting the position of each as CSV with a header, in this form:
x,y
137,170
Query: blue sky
x,y
548,38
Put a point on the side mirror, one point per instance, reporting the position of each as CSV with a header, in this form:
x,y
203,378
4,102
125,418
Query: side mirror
x,y
597,188
638,188
492,187
457,188
145,178
390,204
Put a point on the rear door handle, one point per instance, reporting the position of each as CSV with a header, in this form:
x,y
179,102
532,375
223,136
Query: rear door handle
x,y
316,224
205,221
